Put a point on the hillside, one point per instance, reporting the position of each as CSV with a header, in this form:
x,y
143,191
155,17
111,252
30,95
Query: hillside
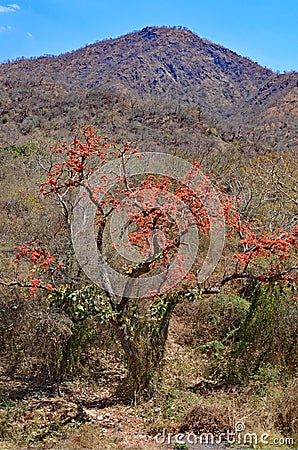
x,y
271,115
114,83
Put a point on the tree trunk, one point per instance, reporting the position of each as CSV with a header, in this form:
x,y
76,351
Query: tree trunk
x,y
143,340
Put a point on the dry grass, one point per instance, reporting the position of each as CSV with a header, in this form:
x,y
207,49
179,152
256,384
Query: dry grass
x,y
91,437
286,410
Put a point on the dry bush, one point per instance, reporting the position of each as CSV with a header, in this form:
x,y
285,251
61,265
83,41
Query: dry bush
x,y
205,418
286,410
45,336
12,310
33,337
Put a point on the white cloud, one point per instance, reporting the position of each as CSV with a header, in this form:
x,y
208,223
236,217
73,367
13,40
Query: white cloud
x,y
5,9
8,28
10,8
29,34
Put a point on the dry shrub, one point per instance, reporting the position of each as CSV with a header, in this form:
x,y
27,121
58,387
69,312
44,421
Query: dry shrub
x,y
33,337
286,413
12,310
206,418
44,337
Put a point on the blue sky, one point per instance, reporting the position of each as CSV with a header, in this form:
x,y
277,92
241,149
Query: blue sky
x,y
264,30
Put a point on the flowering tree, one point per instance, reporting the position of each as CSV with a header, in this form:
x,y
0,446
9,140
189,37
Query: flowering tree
x,y
157,215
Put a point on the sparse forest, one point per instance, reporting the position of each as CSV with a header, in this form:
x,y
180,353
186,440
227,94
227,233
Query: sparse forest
x,y
84,366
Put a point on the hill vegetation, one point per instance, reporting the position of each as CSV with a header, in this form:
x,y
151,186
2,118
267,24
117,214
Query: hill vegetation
x,y
116,84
